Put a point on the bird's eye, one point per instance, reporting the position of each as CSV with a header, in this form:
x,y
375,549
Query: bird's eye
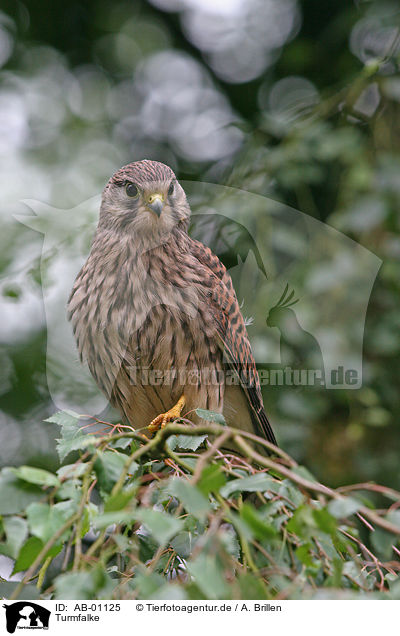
x,y
171,189
131,190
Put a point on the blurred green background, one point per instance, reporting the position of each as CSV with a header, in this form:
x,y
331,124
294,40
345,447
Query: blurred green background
x,y
297,100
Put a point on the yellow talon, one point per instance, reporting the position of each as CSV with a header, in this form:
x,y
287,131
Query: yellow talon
x,y
161,420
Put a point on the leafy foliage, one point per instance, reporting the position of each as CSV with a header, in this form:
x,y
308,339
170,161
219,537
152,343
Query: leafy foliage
x,y
129,520
140,519
334,156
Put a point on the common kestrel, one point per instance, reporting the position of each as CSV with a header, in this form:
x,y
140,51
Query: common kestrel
x,y
155,314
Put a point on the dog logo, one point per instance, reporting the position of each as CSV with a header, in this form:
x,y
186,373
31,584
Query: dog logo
x,y
26,615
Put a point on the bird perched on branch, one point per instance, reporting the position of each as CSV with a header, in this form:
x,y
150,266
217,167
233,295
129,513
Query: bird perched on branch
x,y
154,312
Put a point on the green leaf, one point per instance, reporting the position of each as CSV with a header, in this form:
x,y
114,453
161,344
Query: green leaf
x,y
302,523
230,541
169,592
336,579
59,514
186,442
122,443
108,467
71,471
29,592
383,542
44,520
304,556
325,521
212,479
302,471
160,524
147,547
15,494
193,500
207,575
394,517
38,520
147,583
254,483
72,437
29,551
16,530
252,588
64,418
116,516
69,489
260,529
95,583
353,570
183,544
344,507
122,542
240,526
85,525
120,500
36,476
211,416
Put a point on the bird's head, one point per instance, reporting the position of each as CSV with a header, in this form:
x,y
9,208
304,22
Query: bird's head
x,y
144,198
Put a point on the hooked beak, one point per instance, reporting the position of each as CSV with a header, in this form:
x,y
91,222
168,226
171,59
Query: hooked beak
x,y
156,203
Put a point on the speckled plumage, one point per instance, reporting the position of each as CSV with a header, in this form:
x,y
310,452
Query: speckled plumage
x,y
151,299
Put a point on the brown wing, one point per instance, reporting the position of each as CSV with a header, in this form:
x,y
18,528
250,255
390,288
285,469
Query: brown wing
x,y
233,336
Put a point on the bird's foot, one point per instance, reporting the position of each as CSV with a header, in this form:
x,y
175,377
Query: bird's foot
x,y
161,420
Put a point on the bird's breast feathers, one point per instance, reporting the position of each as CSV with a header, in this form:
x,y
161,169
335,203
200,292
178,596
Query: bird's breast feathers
x,y
115,307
